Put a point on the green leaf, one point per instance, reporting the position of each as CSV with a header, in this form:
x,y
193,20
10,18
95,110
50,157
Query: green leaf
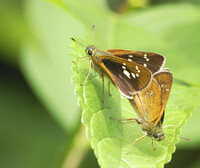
x,y
46,62
28,132
167,29
191,130
147,30
176,27
12,31
114,31
110,139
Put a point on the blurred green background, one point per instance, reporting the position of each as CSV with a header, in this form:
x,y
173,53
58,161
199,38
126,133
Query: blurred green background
x,y
40,122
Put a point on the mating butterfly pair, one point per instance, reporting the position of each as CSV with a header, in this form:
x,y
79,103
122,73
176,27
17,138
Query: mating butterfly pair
x,y
140,77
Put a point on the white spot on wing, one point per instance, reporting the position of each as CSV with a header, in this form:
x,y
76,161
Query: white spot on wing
x,y
123,67
145,65
167,90
136,67
127,74
130,56
137,75
145,57
130,60
133,74
151,93
124,63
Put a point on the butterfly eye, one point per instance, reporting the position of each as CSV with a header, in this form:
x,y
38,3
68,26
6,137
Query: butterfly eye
x,y
89,52
159,135
155,135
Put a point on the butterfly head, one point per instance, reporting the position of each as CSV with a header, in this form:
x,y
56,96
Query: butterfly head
x,y
90,50
155,132
159,135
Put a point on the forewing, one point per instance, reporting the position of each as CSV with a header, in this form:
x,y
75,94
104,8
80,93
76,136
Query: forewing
x,y
154,62
129,77
164,79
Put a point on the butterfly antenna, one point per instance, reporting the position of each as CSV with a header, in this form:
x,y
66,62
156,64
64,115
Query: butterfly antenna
x,y
93,33
179,137
78,42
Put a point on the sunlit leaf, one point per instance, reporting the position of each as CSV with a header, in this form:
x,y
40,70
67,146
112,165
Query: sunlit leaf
x,y
111,139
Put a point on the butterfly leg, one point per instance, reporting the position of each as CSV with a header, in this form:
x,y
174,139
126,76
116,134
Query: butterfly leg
x,y
109,88
135,142
154,147
82,57
126,121
80,60
90,63
102,76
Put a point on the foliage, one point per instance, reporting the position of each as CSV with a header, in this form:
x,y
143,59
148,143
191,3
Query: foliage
x,y
42,32
109,138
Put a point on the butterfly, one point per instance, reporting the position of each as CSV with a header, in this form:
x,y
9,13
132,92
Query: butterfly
x,y
150,104
130,71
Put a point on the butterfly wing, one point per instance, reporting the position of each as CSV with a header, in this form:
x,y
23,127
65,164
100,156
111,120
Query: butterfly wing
x,y
147,103
154,62
129,77
164,79
150,103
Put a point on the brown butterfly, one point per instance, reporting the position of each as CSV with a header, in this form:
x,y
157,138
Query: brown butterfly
x,y
130,71
150,106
